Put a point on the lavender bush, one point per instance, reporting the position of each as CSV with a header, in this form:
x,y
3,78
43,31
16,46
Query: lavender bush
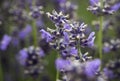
x,y
59,40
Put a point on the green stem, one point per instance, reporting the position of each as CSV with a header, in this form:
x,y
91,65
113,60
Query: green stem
x,y
1,71
34,33
100,37
79,51
57,75
57,72
100,34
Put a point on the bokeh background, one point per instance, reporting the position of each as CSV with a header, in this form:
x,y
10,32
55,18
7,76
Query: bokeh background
x,y
11,23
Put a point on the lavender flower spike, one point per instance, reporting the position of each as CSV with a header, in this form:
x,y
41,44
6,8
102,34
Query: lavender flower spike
x,y
5,42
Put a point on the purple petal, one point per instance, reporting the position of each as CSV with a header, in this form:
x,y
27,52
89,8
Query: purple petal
x,y
91,39
22,57
46,35
73,51
5,42
92,67
94,2
115,7
62,64
66,37
108,73
25,32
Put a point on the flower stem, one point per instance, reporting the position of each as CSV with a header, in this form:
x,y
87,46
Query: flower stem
x,y
57,75
57,72
79,51
1,71
100,37
100,33
34,33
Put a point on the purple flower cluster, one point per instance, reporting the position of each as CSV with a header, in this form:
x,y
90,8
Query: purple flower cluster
x,y
112,69
36,11
67,39
31,59
114,45
67,7
83,71
95,7
67,35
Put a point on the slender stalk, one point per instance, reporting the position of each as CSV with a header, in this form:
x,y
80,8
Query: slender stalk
x,y
34,28
79,51
100,37
34,33
57,72
57,75
100,33
1,71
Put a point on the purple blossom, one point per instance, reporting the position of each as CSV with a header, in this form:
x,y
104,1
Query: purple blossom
x,y
66,38
5,42
92,67
67,27
91,39
106,49
115,7
22,57
42,54
46,35
73,51
57,18
25,32
94,2
62,64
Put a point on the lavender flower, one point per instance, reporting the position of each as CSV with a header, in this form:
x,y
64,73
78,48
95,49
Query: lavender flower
x,y
67,38
5,42
68,7
107,8
112,69
36,11
108,73
67,35
57,18
31,59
